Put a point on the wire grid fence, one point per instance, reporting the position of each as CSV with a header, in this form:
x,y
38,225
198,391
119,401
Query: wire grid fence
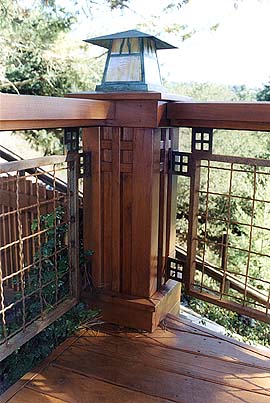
x,y
36,239
230,228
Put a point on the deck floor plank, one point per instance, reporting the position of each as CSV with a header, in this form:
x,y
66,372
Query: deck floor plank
x,y
30,396
75,388
184,363
181,363
137,376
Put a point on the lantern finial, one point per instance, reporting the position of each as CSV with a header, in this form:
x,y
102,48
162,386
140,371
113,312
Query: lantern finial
x,y
132,63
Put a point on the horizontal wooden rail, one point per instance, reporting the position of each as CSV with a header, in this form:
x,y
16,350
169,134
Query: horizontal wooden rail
x,y
33,163
220,115
217,274
34,112
18,112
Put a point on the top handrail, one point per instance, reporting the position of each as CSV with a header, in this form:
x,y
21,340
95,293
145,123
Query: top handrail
x,y
19,112
220,115
22,112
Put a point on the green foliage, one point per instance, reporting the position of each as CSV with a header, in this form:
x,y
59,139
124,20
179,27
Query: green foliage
x,y
38,56
241,143
27,37
38,348
55,285
264,93
211,92
237,143
251,331
21,361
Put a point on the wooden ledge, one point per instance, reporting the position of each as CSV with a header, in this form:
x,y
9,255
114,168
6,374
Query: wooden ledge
x,y
135,96
33,112
136,312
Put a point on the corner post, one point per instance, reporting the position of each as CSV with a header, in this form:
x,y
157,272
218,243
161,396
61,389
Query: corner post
x,y
127,221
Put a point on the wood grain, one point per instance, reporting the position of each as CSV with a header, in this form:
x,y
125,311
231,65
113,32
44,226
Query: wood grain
x,y
111,364
31,163
92,204
142,245
115,203
27,111
27,395
137,95
154,355
35,328
73,387
223,115
157,382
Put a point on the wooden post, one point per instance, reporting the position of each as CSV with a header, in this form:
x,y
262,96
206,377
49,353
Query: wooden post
x,y
128,207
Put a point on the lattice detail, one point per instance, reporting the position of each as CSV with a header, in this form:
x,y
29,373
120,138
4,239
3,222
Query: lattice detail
x,y
229,247
175,269
180,163
85,164
72,138
38,224
202,140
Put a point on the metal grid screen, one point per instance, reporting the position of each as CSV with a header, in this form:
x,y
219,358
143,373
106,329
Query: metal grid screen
x,y
229,233
37,258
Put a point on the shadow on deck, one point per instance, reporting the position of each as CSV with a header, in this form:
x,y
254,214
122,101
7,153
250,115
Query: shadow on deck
x,y
179,362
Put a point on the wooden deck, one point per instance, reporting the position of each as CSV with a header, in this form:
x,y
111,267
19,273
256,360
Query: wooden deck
x,y
179,362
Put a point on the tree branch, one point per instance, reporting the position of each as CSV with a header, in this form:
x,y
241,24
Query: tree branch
x,y
17,84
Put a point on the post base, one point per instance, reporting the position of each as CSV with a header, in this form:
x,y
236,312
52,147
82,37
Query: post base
x,y
136,312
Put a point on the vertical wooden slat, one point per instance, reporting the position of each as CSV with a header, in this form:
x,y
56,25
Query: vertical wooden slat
x,y
126,231
27,228
115,236
164,208
155,208
12,231
193,223
146,157
32,218
126,215
172,199
107,231
92,203
73,171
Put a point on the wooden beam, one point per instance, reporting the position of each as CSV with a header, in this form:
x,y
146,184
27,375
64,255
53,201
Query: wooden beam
x,y
220,115
29,112
35,328
32,163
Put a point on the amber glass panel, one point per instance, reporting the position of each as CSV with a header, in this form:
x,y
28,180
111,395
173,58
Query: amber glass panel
x,y
149,48
125,46
124,68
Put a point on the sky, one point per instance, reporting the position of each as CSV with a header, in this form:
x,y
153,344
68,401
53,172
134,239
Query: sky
x,y
236,53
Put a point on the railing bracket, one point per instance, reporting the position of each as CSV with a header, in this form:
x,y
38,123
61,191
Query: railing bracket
x,y
175,269
72,138
85,164
179,163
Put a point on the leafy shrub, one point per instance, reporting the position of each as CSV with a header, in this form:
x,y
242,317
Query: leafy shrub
x,y
251,331
38,348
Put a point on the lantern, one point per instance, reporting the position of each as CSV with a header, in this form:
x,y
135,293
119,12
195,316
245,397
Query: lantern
x,y
132,63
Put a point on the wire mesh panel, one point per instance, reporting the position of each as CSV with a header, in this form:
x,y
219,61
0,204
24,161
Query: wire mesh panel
x,y
229,233
38,246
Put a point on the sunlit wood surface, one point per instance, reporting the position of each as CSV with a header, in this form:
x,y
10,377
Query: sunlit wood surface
x,y
179,362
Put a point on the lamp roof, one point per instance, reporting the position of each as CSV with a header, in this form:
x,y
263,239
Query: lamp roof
x,y
105,41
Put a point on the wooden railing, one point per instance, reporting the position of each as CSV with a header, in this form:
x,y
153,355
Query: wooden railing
x,y
38,247
34,112
224,284
221,115
31,112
